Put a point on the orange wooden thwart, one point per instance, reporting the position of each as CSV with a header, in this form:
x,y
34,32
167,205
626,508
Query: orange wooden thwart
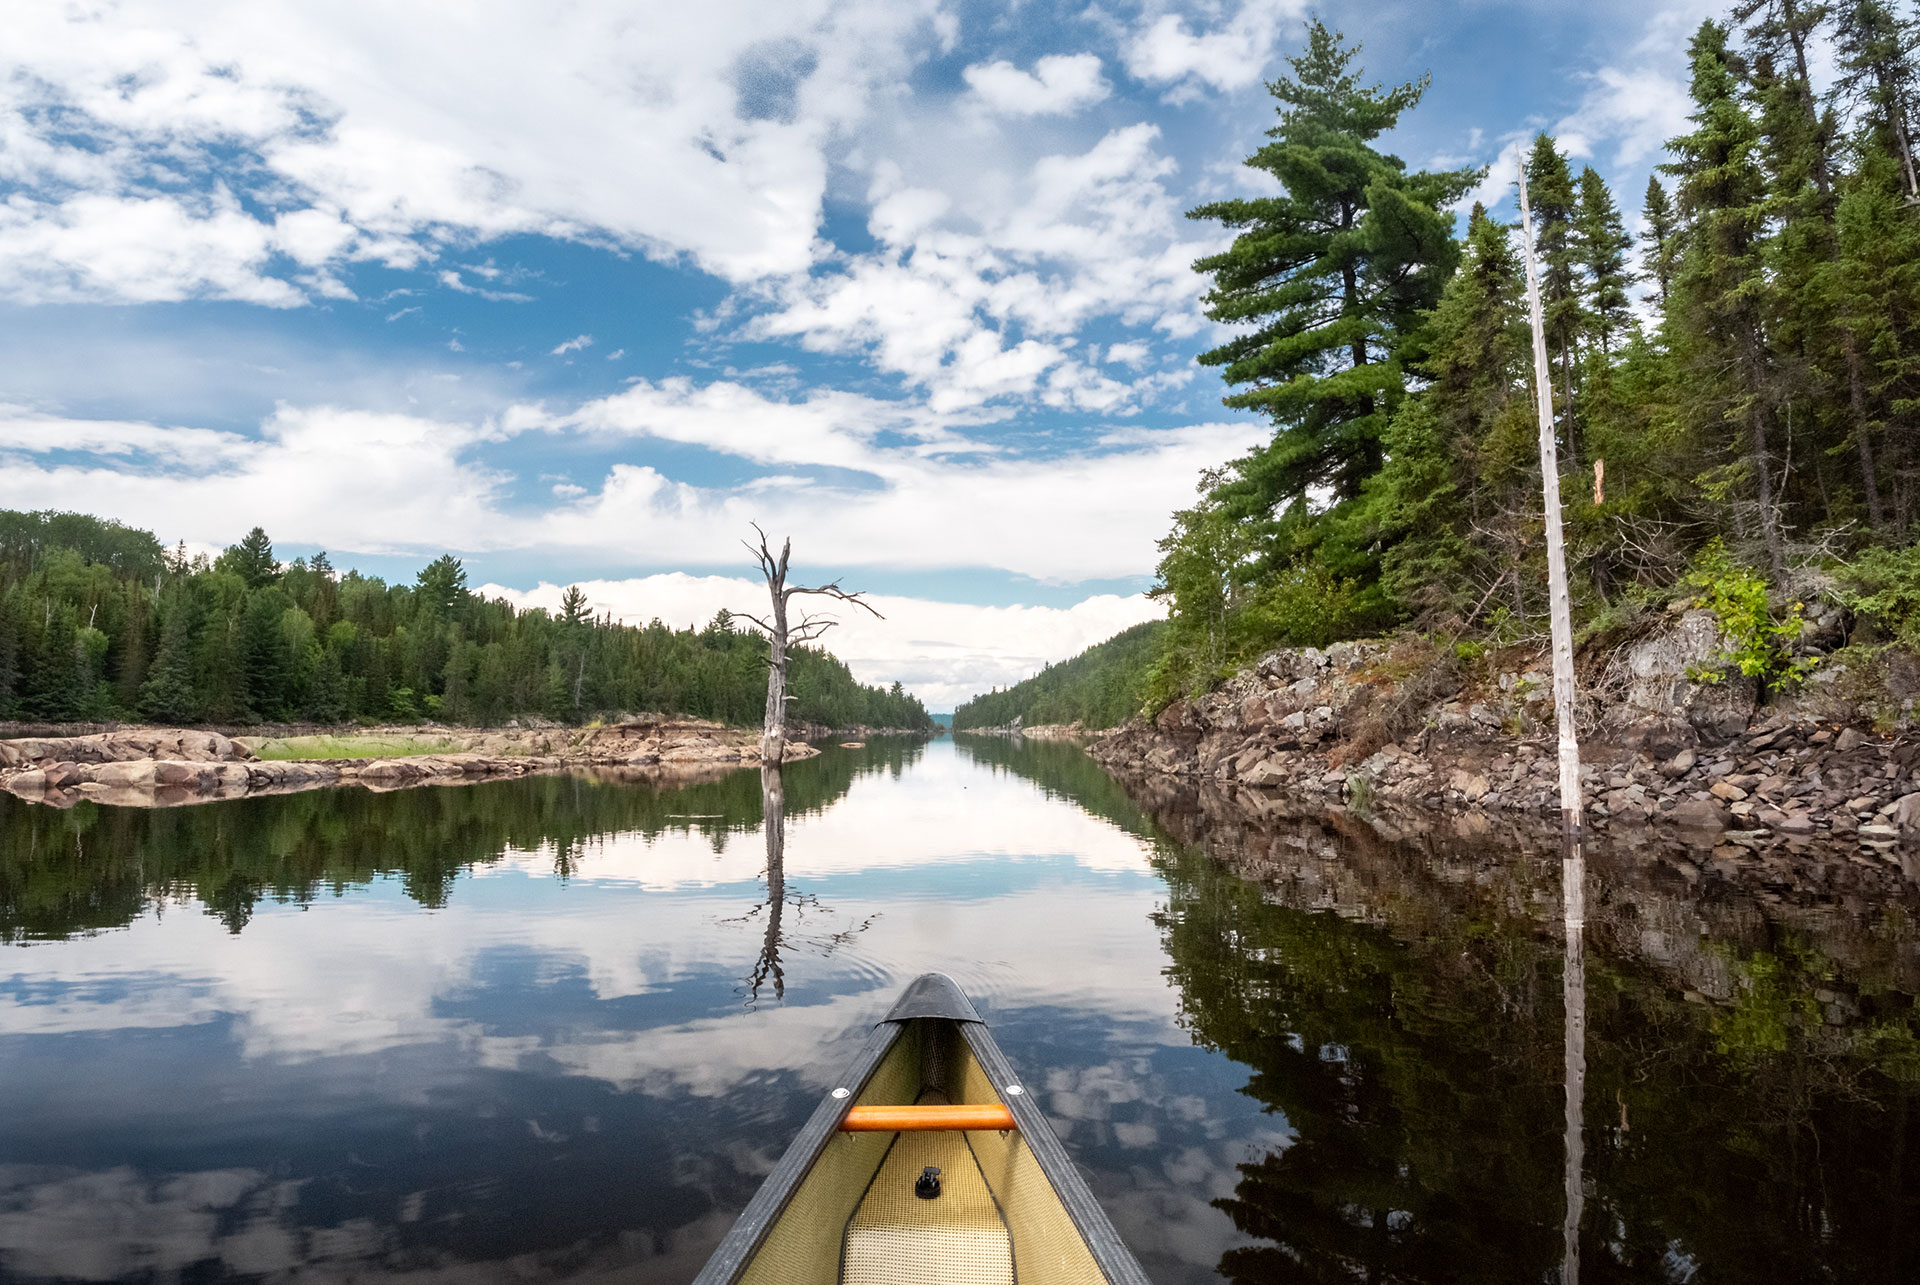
x,y
923,1118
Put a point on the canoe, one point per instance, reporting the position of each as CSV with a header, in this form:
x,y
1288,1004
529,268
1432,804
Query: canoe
x,y
929,1163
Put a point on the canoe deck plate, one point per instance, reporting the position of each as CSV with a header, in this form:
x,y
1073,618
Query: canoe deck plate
x,y
895,1238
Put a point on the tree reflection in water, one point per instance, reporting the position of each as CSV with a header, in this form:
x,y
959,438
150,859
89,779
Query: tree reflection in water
x,y
769,968
1573,1008
1392,996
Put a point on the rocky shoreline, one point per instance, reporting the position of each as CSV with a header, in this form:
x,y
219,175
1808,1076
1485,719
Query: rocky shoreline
x,y
1398,721
153,767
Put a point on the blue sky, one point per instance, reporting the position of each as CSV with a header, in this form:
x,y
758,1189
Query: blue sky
x,y
578,292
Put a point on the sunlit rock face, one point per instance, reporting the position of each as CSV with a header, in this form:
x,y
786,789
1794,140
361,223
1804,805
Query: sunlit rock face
x,y
1663,743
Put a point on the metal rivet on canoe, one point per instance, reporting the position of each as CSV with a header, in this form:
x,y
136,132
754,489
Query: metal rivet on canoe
x,y
1014,1090
839,1093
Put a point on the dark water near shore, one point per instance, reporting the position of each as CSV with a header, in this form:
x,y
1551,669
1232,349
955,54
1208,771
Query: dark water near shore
x,y
553,1028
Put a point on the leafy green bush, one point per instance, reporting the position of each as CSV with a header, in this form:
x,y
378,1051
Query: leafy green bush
x,y
1737,597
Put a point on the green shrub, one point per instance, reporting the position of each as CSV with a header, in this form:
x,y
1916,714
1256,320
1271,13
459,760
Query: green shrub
x,y
1737,597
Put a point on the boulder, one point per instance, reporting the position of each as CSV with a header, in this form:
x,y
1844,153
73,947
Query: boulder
x,y
1699,814
28,784
138,774
1268,771
1660,678
1906,813
1679,765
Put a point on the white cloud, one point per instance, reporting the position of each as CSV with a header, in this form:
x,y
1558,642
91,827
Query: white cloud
x,y
975,298
574,344
1058,84
862,482
371,135
1164,50
136,249
353,479
1629,112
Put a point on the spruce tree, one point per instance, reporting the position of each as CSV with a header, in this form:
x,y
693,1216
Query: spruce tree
x,y
55,685
252,560
263,655
1327,279
1722,287
1454,494
1815,351
1873,288
1660,237
1600,245
168,695
1550,189
1877,49
130,660
9,651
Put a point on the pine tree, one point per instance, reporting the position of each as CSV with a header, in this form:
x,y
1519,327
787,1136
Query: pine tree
x,y
1600,247
1722,286
1661,237
1331,276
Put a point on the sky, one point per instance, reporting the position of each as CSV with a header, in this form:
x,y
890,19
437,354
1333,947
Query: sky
x,y
580,292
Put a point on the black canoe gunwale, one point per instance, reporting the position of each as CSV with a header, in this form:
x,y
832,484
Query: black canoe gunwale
x,y
936,996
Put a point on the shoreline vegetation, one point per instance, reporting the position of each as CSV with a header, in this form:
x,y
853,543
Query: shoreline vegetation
x,y
101,624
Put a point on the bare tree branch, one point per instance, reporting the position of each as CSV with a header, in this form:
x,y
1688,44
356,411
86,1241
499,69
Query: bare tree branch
x,y
780,635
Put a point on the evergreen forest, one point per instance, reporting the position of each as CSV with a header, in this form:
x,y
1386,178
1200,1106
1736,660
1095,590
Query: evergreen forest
x,y
1735,389
1101,687
99,622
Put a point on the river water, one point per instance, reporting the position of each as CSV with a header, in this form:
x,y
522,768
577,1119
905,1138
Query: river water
x,y
558,1028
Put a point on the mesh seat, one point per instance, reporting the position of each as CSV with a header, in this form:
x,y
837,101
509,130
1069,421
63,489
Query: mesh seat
x,y
896,1238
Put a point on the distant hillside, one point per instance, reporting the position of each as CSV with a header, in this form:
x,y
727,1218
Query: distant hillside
x,y
1103,686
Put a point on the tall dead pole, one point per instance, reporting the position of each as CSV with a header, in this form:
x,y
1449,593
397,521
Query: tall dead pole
x,y
1573,866
1559,611
781,635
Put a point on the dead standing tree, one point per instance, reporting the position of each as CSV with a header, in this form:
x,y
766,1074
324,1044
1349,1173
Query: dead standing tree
x,y
783,635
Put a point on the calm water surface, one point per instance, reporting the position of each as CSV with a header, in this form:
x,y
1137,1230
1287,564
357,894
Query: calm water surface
x,y
560,1028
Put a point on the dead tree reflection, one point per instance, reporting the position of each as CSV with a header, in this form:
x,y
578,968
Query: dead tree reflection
x,y
1573,996
769,970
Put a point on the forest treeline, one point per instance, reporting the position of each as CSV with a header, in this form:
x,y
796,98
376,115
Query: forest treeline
x,y
1748,432
1101,687
99,621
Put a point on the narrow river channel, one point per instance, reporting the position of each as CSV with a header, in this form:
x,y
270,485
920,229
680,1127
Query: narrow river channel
x,y
558,1028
